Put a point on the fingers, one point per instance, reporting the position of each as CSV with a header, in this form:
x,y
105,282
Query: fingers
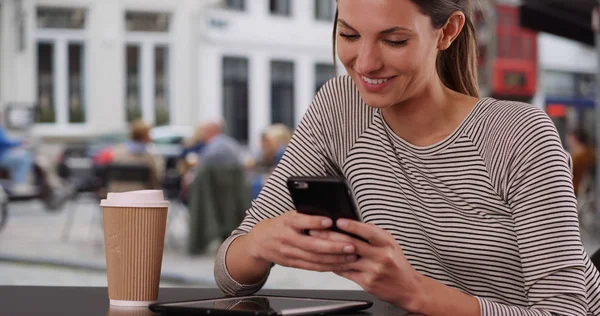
x,y
295,254
331,235
374,235
320,246
303,222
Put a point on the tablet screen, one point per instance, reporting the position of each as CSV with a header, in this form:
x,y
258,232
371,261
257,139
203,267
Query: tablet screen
x,y
269,304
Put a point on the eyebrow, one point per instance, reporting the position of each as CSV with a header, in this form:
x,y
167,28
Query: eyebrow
x,y
386,31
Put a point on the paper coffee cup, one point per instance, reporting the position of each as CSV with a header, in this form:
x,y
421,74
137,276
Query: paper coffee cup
x,y
134,235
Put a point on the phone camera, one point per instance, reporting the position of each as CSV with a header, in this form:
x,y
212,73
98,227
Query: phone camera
x,y
301,185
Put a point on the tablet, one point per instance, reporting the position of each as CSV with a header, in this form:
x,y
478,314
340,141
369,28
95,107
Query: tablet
x,y
261,306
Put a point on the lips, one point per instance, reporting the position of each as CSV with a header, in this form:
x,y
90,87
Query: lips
x,y
375,84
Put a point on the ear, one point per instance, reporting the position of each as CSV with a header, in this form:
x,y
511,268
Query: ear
x,y
451,30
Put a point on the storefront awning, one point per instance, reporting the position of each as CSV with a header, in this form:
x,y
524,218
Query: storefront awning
x,y
567,18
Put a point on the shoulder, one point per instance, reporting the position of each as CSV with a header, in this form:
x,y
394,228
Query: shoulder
x,y
526,129
516,121
338,96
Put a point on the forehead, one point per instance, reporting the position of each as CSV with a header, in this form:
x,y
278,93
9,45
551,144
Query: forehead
x,y
376,15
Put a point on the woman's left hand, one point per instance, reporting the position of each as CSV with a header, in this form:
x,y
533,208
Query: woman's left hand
x,y
382,269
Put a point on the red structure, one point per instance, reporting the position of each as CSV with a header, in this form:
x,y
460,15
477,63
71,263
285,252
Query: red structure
x,y
514,72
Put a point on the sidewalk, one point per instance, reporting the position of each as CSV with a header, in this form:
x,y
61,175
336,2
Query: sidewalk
x,y
32,241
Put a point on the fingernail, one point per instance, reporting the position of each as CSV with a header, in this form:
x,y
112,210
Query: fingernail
x,y
326,223
349,249
351,258
314,233
343,223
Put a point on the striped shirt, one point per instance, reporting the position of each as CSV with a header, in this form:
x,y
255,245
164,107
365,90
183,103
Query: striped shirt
x,y
490,210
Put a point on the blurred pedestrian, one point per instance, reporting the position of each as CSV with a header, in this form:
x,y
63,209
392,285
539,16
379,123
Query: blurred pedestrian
x,y
19,161
584,159
136,151
273,143
218,150
193,147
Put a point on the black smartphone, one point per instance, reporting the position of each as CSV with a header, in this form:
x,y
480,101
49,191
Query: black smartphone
x,y
324,196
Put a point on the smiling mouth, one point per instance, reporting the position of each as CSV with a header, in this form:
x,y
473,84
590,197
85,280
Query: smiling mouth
x,y
375,81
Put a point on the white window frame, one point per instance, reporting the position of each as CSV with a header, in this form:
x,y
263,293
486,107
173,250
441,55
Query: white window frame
x,y
60,39
147,41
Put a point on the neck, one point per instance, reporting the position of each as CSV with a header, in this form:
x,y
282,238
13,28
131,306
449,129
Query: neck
x,y
430,116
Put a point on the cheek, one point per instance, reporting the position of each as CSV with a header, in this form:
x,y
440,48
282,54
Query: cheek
x,y
345,53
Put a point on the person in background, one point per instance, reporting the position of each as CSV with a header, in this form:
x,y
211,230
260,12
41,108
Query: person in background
x,y
218,150
192,149
273,144
136,151
15,157
583,156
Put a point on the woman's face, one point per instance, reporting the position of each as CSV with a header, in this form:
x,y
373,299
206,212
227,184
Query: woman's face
x,y
388,47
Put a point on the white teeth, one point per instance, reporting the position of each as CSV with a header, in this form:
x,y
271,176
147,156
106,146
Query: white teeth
x,y
374,81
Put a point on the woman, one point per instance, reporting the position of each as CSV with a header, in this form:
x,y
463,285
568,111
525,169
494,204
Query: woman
x,y
468,203
273,144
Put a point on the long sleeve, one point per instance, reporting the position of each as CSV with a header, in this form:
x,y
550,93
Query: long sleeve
x,y
7,143
306,155
540,195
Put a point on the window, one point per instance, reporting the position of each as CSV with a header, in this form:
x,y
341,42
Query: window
x,y
161,87
238,5
45,74
60,18
61,66
235,97
280,7
323,72
147,22
324,10
133,102
148,67
282,93
76,83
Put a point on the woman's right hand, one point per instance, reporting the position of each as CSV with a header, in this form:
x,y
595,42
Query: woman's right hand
x,y
281,240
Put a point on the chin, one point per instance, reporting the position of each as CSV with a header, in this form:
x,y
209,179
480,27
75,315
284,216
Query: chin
x,y
379,101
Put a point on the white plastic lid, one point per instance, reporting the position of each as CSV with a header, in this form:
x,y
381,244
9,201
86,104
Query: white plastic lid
x,y
145,198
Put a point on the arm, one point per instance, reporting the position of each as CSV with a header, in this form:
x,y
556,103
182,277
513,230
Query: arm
x,y
237,270
7,142
540,194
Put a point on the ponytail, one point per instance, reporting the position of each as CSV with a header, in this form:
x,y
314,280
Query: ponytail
x,y
457,65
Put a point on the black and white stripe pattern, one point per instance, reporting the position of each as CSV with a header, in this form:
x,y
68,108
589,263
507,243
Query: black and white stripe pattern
x,y
489,211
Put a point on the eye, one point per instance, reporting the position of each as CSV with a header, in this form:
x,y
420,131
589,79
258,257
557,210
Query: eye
x,y
396,43
350,37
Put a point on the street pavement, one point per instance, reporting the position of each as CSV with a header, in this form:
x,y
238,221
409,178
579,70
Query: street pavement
x,y
34,251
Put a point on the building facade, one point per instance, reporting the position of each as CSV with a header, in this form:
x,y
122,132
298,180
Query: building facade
x,y
90,66
261,62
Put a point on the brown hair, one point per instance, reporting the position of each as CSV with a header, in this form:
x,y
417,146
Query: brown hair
x,y
457,65
139,131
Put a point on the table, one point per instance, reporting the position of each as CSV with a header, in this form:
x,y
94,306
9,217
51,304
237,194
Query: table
x,y
92,301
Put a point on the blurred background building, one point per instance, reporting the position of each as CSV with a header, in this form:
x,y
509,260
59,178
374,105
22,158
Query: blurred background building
x,y
552,72
90,67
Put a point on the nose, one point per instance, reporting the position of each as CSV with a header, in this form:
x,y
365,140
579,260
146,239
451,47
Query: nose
x,y
369,59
